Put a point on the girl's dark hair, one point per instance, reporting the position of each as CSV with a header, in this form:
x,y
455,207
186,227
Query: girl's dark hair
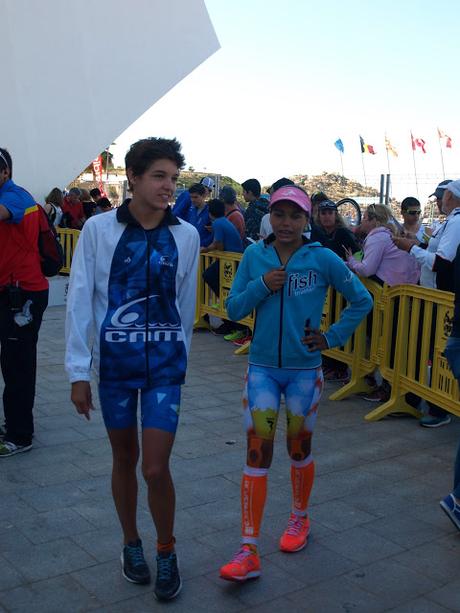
x,y
318,197
95,192
197,188
253,186
216,208
6,163
280,183
143,153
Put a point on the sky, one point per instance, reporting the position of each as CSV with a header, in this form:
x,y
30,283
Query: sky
x,y
292,77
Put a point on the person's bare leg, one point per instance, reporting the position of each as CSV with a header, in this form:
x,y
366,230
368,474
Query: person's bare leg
x,y
125,453
156,450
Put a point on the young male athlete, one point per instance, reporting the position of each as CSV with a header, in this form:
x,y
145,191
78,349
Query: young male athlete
x,y
130,312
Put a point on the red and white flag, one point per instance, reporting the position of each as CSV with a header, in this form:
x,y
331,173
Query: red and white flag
x,y
417,142
97,171
447,139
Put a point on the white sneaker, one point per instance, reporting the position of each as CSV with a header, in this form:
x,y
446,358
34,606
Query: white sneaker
x,y
8,449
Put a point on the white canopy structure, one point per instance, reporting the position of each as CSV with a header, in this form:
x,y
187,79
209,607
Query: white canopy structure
x,y
76,74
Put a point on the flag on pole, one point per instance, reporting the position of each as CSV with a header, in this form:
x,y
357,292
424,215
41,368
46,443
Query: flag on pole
x,y
339,145
389,147
417,142
365,147
448,141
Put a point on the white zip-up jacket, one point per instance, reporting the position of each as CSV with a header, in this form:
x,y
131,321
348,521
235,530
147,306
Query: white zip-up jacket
x,y
131,301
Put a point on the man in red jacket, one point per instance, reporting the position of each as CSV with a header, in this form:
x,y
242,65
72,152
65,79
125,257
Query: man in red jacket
x,y
23,299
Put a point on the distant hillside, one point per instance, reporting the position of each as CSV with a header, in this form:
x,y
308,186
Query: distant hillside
x,y
335,186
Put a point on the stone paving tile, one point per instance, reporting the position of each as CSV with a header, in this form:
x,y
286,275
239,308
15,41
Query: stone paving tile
x,y
333,596
340,515
361,545
447,596
392,582
53,497
438,560
404,530
313,564
421,605
48,560
50,596
51,525
9,576
374,508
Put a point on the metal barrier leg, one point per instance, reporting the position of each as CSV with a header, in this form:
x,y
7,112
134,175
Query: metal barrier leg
x,y
243,350
394,405
358,372
357,385
397,402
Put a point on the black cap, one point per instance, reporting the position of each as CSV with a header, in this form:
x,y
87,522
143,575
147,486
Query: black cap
x,y
327,204
439,191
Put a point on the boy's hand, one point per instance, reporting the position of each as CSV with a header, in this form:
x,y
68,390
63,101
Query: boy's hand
x,y
275,279
82,399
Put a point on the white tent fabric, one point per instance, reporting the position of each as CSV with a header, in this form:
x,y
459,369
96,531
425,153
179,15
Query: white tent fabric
x,y
76,74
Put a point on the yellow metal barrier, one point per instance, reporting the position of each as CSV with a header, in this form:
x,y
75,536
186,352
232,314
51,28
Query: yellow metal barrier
x,y
207,302
418,321
68,239
360,355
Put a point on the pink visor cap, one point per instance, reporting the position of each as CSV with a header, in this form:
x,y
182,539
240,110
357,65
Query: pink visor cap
x,y
292,193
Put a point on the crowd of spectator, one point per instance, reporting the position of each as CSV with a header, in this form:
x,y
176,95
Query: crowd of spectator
x,y
72,209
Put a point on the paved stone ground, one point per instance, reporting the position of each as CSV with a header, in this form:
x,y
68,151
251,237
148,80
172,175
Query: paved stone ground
x,y
379,543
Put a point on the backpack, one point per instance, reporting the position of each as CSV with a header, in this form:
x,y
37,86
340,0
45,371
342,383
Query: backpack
x,y
49,247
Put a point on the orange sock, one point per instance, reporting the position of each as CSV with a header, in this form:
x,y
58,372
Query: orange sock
x,y
166,547
253,495
302,481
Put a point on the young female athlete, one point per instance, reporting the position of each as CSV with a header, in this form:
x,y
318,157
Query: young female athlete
x,y
130,311
285,279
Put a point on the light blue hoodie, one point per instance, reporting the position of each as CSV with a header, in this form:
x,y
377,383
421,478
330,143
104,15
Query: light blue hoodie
x,y
281,316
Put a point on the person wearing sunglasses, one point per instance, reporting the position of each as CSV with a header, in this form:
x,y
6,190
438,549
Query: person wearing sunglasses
x,y
411,211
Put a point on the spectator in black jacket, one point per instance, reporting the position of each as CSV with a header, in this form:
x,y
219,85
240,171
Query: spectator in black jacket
x,y
256,209
338,236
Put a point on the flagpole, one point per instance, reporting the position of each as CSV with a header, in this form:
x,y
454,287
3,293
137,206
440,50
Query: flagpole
x,y
364,170
415,167
442,157
341,162
388,161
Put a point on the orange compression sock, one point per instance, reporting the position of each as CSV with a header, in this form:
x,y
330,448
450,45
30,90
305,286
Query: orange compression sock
x,y
253,495
302,482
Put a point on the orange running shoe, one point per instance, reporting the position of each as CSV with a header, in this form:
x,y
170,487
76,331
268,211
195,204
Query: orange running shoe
x,y
244,565
295,536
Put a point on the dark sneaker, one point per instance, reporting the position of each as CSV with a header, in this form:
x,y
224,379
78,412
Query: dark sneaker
x,y
430,421
8,449
452,509
133,565
380,394
168,583
339,376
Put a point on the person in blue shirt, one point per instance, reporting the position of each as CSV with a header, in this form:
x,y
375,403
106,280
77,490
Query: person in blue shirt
x,y
226,238
199,214
285,280
183,204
